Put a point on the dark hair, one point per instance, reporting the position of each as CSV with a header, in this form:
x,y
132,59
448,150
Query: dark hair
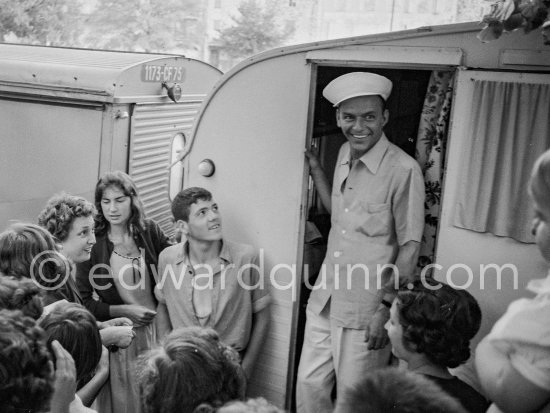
x,y
189,369
181,205
20,294
120,180
60,212
438,322
27,250
76,330
257,405
396,391
26,374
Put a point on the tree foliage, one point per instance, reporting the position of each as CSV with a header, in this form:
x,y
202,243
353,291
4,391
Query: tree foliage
x,y
255,29
510,15
147,25
46,22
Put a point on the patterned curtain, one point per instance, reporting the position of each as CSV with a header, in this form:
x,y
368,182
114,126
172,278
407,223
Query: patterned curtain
x,y
430,152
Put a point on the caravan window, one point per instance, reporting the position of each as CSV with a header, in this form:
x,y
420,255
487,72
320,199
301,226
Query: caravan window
x,y
176,172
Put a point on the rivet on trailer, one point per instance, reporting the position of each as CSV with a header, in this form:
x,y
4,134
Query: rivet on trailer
x,y
249,141
68,115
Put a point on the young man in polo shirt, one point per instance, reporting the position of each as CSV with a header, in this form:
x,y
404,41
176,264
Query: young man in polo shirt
x,y
210,281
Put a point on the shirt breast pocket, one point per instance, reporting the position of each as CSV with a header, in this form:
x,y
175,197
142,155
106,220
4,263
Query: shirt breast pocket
x,y
377,219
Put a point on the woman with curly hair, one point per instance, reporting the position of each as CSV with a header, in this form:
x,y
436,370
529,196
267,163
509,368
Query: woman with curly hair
x,y
120,271
430,327
190,368
70,219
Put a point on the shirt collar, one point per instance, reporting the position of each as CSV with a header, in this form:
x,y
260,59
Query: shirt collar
x,y
183,254
373,158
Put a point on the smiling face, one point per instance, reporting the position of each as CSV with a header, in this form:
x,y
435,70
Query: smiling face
x,y
80,239
204,222
362,120
116,206
395,333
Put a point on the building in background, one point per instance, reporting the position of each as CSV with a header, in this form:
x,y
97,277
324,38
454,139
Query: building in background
x,y
207,30
317,20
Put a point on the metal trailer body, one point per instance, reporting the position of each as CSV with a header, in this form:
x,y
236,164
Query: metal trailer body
x,y
258,121
68,115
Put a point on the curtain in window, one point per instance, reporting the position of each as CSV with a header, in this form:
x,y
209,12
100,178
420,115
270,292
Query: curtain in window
x,y
510,128
430,151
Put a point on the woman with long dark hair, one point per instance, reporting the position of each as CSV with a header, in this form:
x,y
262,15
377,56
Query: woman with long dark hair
x,y
120,273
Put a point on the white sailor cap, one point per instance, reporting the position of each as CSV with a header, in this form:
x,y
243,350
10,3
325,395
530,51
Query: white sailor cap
x,y
356,84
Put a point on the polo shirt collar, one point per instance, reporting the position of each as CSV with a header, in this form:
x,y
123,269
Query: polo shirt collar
x,y
373,158
183,254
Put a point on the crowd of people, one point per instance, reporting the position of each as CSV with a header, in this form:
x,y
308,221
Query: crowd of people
x,y
101,312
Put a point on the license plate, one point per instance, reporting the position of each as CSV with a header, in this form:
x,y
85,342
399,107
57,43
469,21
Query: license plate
x,y
162,73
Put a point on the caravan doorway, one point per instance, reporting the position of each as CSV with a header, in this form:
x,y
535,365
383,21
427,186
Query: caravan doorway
x,y
411,90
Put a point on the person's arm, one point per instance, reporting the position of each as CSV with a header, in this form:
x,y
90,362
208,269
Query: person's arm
x,y
405,263
99,309
90,390
119,321
260,327
163,321
120,336
140,315
65,380
504,385
320,179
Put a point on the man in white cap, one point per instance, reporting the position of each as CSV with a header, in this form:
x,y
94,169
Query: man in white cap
x,y
377,215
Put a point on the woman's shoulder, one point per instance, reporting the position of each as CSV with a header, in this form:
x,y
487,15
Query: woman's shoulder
x,y
152,229
150,224
470,398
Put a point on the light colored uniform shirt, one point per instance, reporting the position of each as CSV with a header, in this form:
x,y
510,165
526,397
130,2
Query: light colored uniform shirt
x,y
238,291
377,206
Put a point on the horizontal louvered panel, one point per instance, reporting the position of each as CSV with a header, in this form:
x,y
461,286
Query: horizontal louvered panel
x,y
153,128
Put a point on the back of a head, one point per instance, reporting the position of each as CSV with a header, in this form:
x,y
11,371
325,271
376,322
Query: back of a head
x,y
29,251
189,369
76,330
26,376
392,390
438,321
20,294
257,405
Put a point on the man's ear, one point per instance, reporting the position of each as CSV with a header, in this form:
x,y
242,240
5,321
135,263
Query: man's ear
x,y
386,116
338,117
182,226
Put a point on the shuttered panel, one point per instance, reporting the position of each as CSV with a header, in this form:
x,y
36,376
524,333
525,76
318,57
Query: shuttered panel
x,y
153,129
